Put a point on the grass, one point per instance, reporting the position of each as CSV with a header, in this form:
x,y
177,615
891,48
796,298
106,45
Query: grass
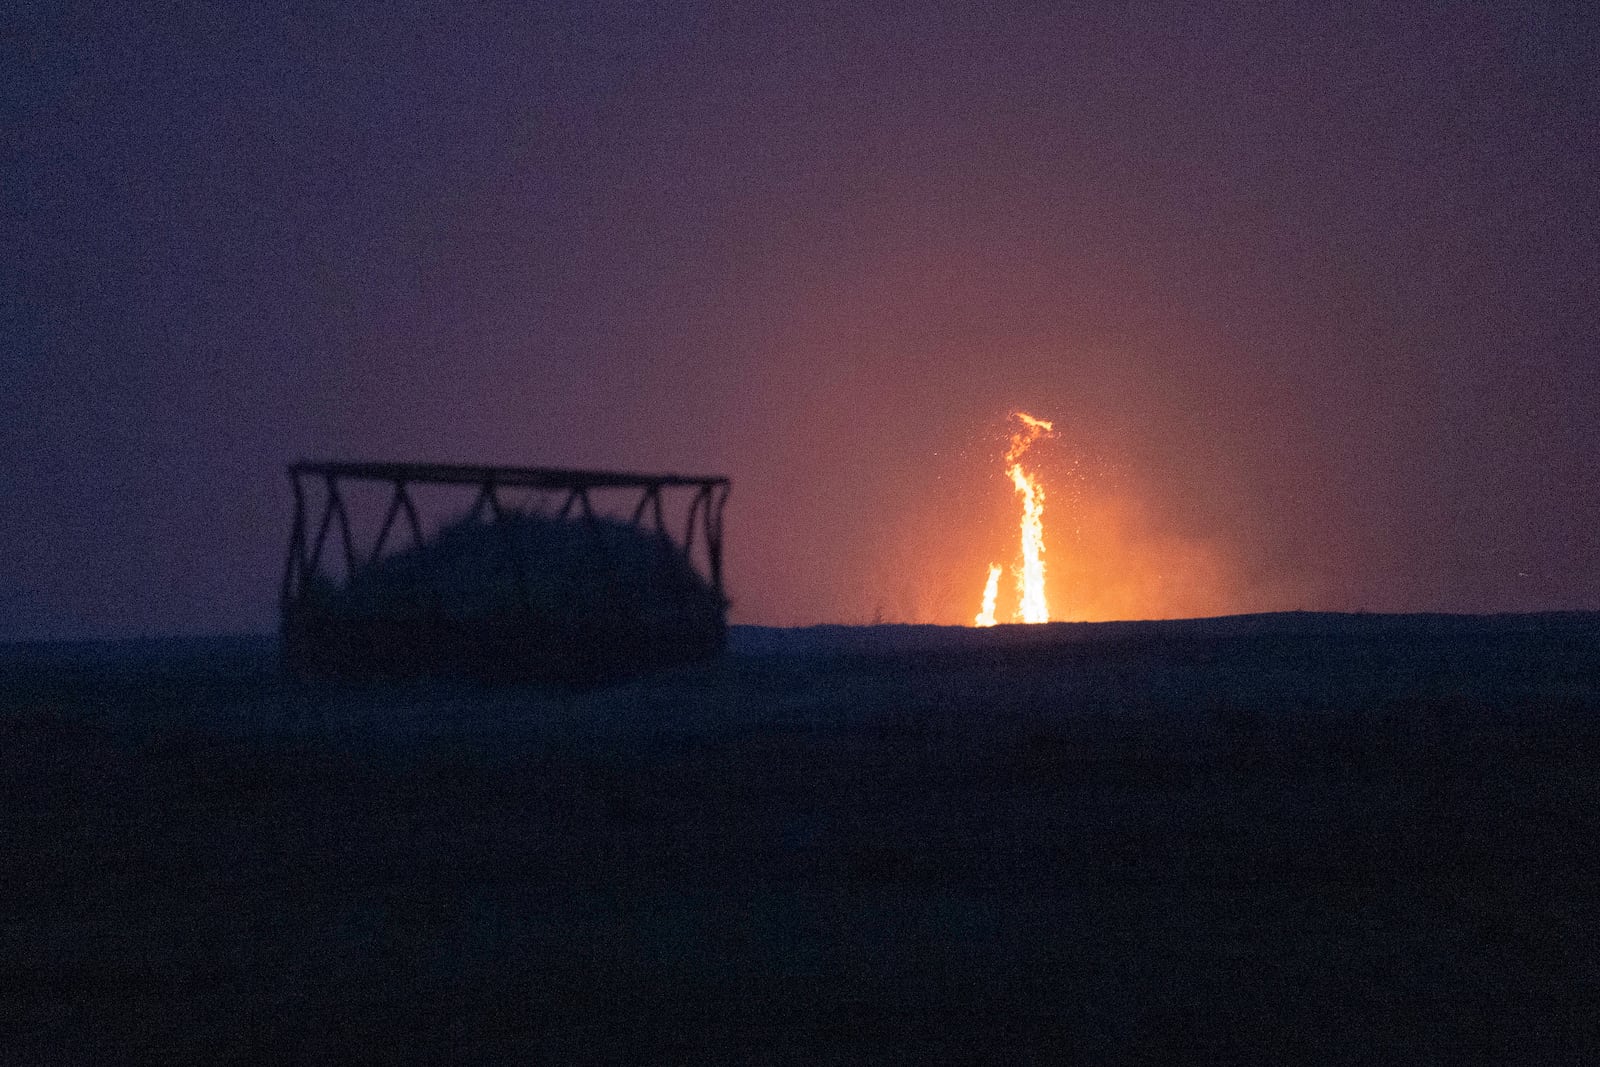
x,y
1265,846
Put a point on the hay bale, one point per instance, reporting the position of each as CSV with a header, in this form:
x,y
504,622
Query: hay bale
x,y
526,596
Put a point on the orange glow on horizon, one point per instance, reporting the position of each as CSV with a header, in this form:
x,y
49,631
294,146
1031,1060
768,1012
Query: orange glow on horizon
x,y
1121,546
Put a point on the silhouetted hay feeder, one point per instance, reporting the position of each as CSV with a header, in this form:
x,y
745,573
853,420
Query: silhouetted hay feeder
x,y
556,589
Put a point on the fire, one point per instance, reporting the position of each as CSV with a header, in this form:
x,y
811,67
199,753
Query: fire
x,y
991,590
1031,605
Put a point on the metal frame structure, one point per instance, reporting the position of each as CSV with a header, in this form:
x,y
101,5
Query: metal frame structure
x,y
708,495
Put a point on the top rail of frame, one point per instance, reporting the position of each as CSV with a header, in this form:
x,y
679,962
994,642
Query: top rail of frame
x,y
529,477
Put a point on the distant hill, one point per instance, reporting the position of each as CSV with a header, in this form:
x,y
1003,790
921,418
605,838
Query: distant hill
x,y
887,637
896,637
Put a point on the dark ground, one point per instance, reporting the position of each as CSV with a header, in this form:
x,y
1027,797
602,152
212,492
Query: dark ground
x,y
1282,838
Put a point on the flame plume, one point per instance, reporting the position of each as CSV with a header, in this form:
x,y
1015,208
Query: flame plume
x,y
1031,605
1030,582
991,591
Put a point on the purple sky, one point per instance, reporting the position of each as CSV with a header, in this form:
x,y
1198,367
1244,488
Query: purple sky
x,y
1312,296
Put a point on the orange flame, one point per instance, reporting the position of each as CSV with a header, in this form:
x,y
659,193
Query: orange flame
x,y
1030,578
991,592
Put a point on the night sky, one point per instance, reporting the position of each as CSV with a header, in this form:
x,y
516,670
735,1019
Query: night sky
x,y
1312,296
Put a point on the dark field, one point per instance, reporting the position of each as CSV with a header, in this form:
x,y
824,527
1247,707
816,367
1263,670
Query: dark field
x,y
1283,838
